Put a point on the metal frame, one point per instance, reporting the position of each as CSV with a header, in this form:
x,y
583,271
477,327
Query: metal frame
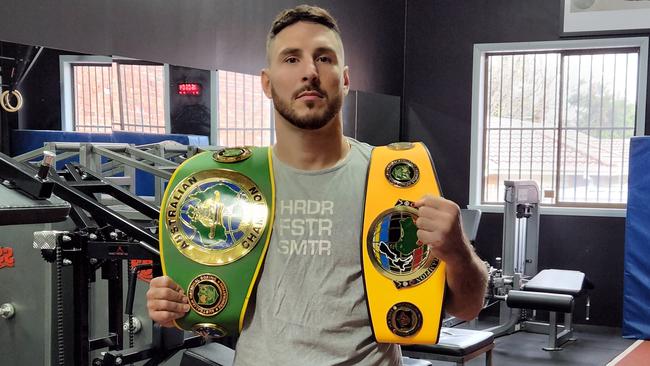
x,y
519,250
519,264
520,228
557,334
118,162
102,240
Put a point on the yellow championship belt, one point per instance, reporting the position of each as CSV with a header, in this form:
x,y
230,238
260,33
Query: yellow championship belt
x,y
404,282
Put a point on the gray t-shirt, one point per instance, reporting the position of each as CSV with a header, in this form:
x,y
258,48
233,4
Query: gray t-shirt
x,y
310,306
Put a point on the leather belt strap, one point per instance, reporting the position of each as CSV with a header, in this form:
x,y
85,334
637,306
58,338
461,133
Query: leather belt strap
x,y
404,283
215,226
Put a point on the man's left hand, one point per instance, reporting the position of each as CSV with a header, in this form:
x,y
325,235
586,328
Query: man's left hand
x,y
440,228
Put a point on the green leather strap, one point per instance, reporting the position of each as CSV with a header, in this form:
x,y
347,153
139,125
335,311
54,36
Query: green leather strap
x,y
215,224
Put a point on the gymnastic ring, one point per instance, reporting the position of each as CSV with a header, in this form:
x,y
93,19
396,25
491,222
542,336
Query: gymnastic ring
x,y
2,99
6,103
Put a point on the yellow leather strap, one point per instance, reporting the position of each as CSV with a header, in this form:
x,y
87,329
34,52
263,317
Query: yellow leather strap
x,y
404,283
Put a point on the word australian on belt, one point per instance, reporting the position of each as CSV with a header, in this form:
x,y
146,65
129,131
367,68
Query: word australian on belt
x,y
404,282
215,224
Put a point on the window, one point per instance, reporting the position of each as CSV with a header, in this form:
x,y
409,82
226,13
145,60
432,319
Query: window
x,y
118,96
102,95
93,98
245,113
558,113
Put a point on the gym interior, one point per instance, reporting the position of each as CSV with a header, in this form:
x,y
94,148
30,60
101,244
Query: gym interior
x,y
534,114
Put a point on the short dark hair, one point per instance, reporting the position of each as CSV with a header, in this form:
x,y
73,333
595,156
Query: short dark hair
x,y
301,13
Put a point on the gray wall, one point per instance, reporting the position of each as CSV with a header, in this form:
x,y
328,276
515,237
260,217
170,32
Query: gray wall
x,y
438,79
42,94
207,34
203,34
372,118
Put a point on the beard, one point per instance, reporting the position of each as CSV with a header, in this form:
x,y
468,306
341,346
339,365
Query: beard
x,y
313,121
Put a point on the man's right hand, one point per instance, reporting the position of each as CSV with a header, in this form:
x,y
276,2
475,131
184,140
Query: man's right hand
x,y
166,301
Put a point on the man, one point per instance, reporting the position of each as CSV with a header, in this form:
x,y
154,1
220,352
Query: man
x,y
310,304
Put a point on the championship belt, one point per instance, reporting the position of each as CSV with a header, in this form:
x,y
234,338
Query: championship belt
x,y
215,225
404,282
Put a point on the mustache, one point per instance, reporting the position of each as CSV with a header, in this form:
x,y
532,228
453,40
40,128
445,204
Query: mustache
x,y
309,88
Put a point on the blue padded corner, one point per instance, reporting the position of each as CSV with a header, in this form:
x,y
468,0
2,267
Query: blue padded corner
x,y
636,277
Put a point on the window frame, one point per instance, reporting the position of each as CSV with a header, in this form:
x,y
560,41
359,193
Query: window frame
x,y
66,64
478,111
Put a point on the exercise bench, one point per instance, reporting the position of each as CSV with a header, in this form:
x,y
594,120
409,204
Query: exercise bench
x,y
553,290
455,345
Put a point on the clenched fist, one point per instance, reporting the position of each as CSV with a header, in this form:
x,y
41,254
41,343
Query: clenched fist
x,y
439,226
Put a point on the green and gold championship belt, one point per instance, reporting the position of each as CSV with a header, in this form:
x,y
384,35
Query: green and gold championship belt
x,y
405,283
215,224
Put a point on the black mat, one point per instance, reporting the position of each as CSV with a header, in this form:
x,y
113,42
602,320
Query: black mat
x,y
595,346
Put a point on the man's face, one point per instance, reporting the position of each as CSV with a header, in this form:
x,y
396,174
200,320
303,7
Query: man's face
x,y
306,77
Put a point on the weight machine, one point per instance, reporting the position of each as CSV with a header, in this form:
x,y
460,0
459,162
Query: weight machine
x,y
101,240
516,283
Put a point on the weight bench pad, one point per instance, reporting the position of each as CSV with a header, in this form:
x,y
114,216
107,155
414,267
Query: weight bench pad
x,y
407,361
211,354
455,342
557,281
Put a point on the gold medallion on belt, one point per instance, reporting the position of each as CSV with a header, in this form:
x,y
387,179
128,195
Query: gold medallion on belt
x,y
395,250
216,216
